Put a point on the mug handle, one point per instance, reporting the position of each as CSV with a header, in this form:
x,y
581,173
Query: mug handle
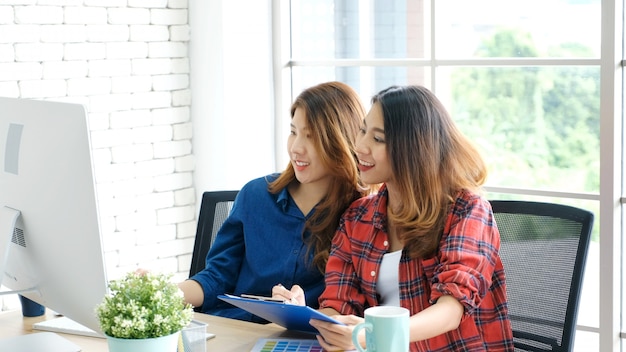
x,y
355,335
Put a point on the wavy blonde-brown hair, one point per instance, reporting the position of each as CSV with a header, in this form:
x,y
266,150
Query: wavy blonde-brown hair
x,y
431,161
334,113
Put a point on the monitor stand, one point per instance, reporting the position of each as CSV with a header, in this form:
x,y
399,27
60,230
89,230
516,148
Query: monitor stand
x,y
10,223
8,220
65,325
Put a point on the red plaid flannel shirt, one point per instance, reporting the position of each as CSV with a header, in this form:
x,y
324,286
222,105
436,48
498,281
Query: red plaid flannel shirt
x,y
466,266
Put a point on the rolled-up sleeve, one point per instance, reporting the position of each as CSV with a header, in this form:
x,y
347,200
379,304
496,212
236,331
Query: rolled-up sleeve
x,y
468,253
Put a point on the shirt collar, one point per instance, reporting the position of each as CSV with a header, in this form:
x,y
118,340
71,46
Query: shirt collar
x,y
377,213
283,199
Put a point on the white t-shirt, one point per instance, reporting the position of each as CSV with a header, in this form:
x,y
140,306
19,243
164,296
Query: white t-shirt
x,y
388,286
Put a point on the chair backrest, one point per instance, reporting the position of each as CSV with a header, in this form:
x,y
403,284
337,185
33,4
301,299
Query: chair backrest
x,y
543,248
214,210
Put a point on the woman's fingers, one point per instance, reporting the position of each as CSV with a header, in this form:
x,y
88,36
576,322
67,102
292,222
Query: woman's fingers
x,y
293,296
336,337
297,295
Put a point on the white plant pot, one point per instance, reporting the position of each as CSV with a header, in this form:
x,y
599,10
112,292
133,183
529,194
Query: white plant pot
x,y
167,343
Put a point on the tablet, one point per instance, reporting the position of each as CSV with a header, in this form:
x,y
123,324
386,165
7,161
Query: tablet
x,y
289,316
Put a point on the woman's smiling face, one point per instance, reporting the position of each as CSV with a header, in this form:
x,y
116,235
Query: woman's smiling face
x,y
371,148
305,159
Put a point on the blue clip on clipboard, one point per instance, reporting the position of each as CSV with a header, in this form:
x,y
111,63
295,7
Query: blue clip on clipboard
x,y
289,316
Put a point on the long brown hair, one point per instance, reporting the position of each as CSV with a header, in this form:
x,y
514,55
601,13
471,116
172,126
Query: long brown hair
x,y
431,161
334,113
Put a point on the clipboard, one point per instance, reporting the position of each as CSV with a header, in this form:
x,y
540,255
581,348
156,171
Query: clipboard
x,y
289,316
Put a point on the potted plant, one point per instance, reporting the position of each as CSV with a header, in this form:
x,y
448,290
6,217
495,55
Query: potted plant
x,y
146,311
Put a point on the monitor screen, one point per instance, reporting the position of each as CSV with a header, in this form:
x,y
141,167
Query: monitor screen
x,y
50,244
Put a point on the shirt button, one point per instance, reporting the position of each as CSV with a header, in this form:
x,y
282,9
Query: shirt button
x,y
373,273
386,243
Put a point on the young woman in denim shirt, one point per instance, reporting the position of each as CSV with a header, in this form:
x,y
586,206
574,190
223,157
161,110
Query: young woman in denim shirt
x,y
281,225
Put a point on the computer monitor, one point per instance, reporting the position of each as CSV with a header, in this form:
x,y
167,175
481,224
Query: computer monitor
x,y
50,244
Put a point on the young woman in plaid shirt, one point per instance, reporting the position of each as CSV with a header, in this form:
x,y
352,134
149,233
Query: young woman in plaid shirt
x,y
427,241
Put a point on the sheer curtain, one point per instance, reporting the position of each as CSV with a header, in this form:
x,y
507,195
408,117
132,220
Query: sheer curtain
x,y
232,94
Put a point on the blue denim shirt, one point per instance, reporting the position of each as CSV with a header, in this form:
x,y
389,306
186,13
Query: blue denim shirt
x,y
258,246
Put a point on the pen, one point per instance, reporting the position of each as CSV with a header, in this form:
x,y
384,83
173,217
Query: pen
x,y
270,299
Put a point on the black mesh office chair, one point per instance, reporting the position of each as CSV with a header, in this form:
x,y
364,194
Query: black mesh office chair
x,y
214,209
543,248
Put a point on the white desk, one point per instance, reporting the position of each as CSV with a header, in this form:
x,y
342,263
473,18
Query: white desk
x,y
231,335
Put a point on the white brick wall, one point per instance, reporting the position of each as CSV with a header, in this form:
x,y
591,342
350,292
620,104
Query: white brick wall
x,y
127,61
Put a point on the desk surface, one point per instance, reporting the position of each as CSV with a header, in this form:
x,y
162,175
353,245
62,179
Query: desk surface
x,y
231,335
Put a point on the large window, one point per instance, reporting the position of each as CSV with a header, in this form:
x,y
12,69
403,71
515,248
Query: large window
x,y
521,78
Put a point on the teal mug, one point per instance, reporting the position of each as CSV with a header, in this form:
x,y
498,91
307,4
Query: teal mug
x,y
386,330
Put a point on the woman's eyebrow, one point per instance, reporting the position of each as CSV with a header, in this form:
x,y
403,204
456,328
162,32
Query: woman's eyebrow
x,y
306,128
375,129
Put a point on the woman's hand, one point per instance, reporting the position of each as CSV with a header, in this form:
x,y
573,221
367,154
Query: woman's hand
x,y
335,337
141,271
293,296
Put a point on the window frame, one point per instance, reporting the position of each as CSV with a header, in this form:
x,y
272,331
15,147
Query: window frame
x,y
611,197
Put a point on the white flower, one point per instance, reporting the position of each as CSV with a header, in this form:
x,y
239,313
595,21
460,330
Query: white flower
x,y
143,306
